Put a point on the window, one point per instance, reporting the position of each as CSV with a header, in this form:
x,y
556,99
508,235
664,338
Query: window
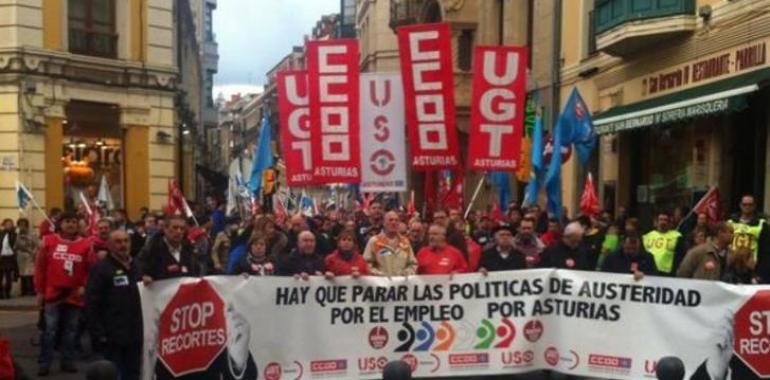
x,y
92,28
465,50
208,29
209,88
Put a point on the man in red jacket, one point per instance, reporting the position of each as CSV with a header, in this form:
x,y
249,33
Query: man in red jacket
x,y
439,257
61,273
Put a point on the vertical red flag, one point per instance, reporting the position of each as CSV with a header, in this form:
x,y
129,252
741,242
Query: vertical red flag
x,y
709,205
295,133
589,202
334,114
497,107
427,73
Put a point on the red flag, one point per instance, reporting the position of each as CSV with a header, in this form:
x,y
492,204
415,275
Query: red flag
x,y
428,77
333,78
177,204
94,216
497,107
368,198
295,136
496,214
454,193
411,209
589,202
709,205
429,194
279,210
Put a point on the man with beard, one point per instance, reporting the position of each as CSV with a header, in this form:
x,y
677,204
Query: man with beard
x,y
527,242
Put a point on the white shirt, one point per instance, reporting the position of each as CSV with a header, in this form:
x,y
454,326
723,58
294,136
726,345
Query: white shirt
x,y
6,250
175,252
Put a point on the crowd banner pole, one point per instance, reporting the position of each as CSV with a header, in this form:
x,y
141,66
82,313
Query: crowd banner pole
x,y
475,195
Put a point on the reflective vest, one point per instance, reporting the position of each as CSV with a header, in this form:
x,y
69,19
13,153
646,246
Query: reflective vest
x,y
747,236
662,246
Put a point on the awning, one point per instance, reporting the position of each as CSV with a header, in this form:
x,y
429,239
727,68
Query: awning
x,y
727,95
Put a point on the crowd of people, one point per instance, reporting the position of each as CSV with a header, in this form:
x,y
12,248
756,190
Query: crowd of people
x,y
85,277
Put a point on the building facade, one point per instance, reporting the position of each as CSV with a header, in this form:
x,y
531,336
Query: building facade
x,y
87,92
678,93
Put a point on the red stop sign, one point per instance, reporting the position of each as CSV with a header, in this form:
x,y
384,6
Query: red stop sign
x,y
752,333
192,331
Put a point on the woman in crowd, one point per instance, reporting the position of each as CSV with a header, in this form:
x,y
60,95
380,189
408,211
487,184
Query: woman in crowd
x,y
26,250
9,268
256,262
346,260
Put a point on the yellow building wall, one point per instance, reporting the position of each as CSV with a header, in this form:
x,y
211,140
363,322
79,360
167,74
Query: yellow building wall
x,y
53,11
54,174
137,169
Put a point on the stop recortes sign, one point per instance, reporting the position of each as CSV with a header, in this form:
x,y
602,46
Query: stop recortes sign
x,y
192,330
752,333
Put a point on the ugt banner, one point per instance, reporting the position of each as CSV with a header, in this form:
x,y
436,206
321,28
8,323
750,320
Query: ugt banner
x,y
383,149
579,323
295,135
333,81
427,72
497,107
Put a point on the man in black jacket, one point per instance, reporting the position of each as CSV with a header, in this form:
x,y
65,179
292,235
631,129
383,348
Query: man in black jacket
x,y
569,253
113,308
502,256
302,261
631,258
168,254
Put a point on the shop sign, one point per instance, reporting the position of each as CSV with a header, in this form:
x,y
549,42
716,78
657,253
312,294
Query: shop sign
x,y
669,116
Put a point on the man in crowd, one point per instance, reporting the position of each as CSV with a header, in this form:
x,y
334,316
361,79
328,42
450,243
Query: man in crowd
x,y
527,242
297,224
569,252
666,245
484,234
61,272
439,257
168,254
552,235
751,232
113,308
708,261
454,236
120,219
389,253
417,235
502,255
99,241
631,258
303,261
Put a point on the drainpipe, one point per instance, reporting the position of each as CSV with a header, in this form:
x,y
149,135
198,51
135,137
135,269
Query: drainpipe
x,y
556,63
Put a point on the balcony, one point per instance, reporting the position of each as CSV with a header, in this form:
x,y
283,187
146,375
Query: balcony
x,y
623,27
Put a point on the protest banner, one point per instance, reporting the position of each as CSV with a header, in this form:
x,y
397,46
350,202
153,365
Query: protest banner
x,y
428,77
334,110
295,136
497,111
590,324
383,152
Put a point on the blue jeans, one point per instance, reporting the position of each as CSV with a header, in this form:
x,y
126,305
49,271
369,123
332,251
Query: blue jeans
x,y
69,316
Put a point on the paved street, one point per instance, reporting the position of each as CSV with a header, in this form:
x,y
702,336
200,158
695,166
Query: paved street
x,y
20,326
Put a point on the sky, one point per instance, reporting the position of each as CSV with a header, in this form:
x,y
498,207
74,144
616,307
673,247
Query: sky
x,y
253,35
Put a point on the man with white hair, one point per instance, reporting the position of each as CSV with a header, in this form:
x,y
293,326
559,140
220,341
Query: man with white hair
x,y
568,253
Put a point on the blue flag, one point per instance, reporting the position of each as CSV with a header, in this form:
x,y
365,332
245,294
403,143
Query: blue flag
x,y
22,196
263,156
536,175
577,127
500,180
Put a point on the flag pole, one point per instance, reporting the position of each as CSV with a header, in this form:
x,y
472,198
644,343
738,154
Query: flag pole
x,y
692,210
475,195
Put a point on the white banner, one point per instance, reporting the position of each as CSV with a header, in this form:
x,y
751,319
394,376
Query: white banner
x,y
590,324
383,145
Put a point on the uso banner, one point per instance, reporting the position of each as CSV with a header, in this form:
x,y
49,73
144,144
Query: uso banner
x,y
427,72
295,134
383,152
333,82
580,323
497,110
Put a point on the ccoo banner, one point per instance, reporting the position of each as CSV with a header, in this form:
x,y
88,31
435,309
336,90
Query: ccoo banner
x,y
427,73
334,110
580,323
295,136
383,152
497,111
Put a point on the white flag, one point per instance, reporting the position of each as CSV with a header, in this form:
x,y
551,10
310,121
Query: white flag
x,y
104,196
383,141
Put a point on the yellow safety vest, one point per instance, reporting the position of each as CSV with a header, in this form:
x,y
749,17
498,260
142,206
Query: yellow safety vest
x,y
746,236
662,246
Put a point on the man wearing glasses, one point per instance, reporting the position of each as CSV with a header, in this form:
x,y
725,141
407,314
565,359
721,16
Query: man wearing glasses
x,y
751,232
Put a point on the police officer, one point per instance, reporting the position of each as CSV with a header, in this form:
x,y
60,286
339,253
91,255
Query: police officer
x,y
666,245
750,231
113,307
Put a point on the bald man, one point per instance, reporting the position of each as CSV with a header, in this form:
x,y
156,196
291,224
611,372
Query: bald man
x,y
303,261
390,253
113,307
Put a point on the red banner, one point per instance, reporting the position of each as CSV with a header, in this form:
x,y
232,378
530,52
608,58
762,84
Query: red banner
x,y
426,67
497,107
334,114
295,131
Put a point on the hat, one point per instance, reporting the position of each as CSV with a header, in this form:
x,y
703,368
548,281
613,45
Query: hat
x,y
504,227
